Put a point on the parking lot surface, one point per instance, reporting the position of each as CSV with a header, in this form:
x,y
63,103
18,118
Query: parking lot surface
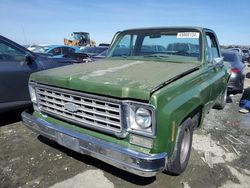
x,y
220,157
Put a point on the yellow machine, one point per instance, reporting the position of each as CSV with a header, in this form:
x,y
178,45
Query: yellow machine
x,y
80,39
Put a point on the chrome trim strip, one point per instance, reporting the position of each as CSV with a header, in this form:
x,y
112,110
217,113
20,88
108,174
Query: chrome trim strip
x,y
68,92
146,165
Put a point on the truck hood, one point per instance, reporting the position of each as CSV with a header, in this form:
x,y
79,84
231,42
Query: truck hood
x,y
128,79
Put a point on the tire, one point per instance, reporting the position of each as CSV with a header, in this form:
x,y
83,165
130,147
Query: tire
x,y
221,101
180,157
242,85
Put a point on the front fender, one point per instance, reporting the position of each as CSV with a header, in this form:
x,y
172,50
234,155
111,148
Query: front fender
x,y
174,103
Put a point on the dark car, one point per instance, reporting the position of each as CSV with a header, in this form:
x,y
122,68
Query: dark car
x,y
55,50
236,82
16,65
104,44
239,51
81,57
94,51
246,54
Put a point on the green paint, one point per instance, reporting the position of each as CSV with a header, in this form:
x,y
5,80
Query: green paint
x,y
116,78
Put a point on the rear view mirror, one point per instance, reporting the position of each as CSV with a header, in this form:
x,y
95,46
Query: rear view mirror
x,y
154,36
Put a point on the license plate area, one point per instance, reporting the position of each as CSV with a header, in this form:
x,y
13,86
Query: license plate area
x,y
68,141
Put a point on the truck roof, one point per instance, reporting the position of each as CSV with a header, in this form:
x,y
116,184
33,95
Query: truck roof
x,y
81,32
168,28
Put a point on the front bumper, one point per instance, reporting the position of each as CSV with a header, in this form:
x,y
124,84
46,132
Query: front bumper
x,y
146,165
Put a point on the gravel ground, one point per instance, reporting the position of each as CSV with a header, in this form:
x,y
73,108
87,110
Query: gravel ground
x,y
220,157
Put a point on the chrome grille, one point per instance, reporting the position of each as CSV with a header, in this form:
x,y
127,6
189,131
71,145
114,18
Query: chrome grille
x,y
84,109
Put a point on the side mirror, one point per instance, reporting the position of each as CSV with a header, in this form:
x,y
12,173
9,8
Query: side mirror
x,y
218,61
28,59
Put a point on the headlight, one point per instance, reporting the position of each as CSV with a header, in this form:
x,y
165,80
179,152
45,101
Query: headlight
x,y
143,118
32,94
140,118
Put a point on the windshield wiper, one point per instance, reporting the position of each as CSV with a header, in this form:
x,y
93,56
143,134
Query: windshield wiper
x,y
120,56
157,55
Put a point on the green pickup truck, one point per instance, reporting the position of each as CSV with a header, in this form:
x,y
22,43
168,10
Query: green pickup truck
x,y
136,109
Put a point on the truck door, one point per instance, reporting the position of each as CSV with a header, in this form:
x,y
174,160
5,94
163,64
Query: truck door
x,y
216,73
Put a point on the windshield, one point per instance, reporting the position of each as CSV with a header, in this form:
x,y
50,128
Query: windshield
x,y
167,46
79,36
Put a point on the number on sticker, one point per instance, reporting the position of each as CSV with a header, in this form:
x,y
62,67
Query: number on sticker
x,y
188,35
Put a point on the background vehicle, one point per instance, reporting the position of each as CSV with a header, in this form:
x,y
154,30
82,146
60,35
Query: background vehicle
x,y
236,81
81,57
100,56
239,51
57,50
104,44
185,47
62,51
16,65
35,47
135,109
80,39
246,54
94,51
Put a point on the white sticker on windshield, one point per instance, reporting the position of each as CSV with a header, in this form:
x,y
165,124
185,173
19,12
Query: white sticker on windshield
x,y
194,35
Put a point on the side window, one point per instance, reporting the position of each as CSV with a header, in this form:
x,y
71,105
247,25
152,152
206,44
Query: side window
x,y
212,50
125,46
55,51
67,51
71,50
8,53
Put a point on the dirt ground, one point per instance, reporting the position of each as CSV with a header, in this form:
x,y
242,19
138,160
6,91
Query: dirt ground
x,y
220,157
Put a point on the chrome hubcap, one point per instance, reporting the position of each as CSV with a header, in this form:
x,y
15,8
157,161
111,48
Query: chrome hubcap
x,y
185,144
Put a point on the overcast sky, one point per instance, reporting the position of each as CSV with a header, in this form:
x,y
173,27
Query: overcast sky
x,y
49,21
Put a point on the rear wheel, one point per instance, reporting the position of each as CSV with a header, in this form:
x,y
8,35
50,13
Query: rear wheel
x,y
178,163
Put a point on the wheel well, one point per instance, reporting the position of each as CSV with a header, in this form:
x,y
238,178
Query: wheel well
x,y
228,78
195,116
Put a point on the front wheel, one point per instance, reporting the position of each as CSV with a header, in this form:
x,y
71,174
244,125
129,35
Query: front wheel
x,y
178,163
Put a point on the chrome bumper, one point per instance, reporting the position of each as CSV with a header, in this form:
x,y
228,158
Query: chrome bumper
x,y
146,165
